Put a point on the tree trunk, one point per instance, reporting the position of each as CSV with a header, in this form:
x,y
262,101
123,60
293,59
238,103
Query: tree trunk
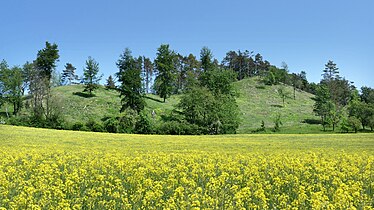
x,y
333,127
294,93
14,108
6,110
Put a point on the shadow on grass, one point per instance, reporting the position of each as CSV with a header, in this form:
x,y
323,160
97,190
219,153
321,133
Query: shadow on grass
x,y
312,121
276,105
261,87
154,99
83,94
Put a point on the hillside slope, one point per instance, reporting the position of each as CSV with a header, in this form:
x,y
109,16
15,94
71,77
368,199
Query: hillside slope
x,y
259,102
79,106
256,101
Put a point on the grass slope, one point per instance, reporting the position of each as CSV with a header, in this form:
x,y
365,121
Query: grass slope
x,y
258,102
79,106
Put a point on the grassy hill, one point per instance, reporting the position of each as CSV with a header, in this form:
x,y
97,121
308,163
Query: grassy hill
x,y
259,102
256,101
80,106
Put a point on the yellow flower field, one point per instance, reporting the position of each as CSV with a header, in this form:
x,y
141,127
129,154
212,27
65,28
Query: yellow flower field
x,y
48,169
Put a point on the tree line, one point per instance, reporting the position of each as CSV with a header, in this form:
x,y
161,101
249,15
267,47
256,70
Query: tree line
x,y
208,101
338,102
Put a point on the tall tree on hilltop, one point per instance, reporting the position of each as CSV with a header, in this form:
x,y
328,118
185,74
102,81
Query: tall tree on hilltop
x,y
296,81
206,59
330,72
110,83
367,95
46,60
90,77
192,69
40,80
164,64
241,62
68,74
148,72
129,76
339,87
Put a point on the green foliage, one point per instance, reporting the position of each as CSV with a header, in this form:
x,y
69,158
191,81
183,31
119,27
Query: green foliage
x,y
277,123
11,86
110,83
354,123
130,82
68,74
362,111
46,60
212,106
263,128
144,124
111,125
179,128
197,105
79,126
206,59
219,81
147,73
371,122
90,77
330,72
367,95
323,106
94,126
164,64
283,93
344,125
127,121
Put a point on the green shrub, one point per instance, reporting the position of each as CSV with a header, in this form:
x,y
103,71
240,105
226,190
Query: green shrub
x,y
79,126
111,125
144,124
180,128
94,126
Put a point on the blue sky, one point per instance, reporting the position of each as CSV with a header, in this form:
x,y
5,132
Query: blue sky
x,y
304,34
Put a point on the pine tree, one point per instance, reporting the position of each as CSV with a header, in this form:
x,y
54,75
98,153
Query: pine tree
x,y
90,77
40,82
330,72
206,57
110,84
68,74
129,76
165,67
148,72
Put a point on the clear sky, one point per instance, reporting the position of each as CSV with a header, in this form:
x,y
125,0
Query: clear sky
x,y
303,33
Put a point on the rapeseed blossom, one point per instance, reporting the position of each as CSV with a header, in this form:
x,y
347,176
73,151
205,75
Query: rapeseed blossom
x,y
111,174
